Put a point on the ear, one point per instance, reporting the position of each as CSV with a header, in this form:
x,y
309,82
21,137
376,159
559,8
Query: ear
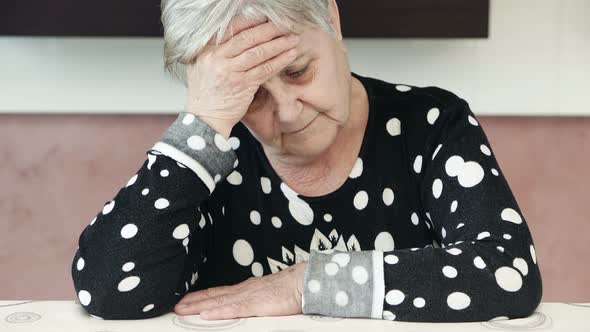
x,y
335,18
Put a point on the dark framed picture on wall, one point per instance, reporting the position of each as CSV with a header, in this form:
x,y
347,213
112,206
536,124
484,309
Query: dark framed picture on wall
x,y
141,18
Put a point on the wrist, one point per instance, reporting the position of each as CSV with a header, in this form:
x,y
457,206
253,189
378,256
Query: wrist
x,y
222,126
200,147
299,279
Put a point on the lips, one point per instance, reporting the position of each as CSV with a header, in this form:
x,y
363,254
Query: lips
x,y
302,129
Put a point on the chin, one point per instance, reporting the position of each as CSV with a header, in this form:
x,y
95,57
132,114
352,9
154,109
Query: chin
x,y
313,145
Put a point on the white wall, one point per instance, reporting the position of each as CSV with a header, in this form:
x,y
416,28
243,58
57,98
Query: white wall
x,y
536,62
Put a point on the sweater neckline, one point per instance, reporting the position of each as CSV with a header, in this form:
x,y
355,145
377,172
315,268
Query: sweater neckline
x,y
277,181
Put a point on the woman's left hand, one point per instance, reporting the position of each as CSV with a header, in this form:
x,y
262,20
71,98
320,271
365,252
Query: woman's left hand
x,y
277,294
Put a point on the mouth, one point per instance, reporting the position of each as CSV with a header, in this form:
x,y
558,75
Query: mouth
x,y
304,128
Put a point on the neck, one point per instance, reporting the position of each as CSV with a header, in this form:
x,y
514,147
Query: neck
x,y
307,172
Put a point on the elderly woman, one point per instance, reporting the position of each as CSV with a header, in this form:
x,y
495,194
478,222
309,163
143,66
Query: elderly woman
x,y
292,185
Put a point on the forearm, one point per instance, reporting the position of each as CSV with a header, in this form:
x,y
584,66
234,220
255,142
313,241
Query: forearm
x,y
139,241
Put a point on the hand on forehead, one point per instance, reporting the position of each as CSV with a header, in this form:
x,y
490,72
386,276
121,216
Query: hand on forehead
x,y
239,24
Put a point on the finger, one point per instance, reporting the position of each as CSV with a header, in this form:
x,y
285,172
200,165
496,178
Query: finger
x,y
213,292
206,294
263,52
236,26
239,309
269,68
249,38
197,307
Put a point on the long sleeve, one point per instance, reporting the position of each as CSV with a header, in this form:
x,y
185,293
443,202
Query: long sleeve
x,y
142,251
482,265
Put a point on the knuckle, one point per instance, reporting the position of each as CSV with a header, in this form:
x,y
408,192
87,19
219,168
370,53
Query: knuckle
x,y
220,299
235,85
278,47
269,297
246,38
237,307
267,68
255,54
275,291
259,53
268,282
208,292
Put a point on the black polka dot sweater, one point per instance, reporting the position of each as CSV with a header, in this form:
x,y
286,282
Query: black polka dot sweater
x,y
425,228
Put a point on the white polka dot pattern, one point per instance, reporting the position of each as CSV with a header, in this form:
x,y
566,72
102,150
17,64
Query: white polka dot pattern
x,y
394,297
80,264
265,184
221,143
361,199
508,279
276,222
449,271
415,219
108,207
128,266
388,196
84,297
128,231
418,164
448,241
357,169
128,284
432,115
419,302
334,280
161,203
341,298
391,259
196,142
393,127
132,180
458,301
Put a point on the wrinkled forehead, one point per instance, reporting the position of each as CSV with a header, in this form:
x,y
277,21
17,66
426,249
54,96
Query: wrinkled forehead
x,y
240,23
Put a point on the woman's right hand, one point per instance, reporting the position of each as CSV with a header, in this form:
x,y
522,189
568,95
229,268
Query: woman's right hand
x,y
223,80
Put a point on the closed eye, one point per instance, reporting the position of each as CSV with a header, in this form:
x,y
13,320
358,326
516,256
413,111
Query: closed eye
x,y
298,73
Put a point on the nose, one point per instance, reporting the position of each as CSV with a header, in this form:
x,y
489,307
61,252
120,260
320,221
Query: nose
x,y
285,103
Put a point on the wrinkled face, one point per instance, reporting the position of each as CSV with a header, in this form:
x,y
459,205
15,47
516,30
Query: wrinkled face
x,y
299,112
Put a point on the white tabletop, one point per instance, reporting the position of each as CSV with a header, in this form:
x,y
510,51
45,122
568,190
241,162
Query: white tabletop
x,y
65,316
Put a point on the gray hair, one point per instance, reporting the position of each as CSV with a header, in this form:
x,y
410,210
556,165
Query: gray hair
x,y
190,24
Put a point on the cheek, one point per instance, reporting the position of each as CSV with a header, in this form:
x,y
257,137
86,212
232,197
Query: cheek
x,y
260,125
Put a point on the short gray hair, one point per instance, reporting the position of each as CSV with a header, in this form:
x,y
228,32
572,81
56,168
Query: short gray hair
x,y
190,24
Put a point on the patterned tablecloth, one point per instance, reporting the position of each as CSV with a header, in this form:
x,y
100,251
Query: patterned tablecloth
x,y
65,316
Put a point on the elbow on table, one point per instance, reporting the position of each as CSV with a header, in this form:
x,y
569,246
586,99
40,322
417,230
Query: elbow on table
x,y
105,306
531,296
94,297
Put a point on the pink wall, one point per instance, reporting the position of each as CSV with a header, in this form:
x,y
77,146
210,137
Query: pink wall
x,y
57,171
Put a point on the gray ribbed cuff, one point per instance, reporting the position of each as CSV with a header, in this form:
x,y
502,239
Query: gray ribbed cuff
x,y
195,144
344,284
